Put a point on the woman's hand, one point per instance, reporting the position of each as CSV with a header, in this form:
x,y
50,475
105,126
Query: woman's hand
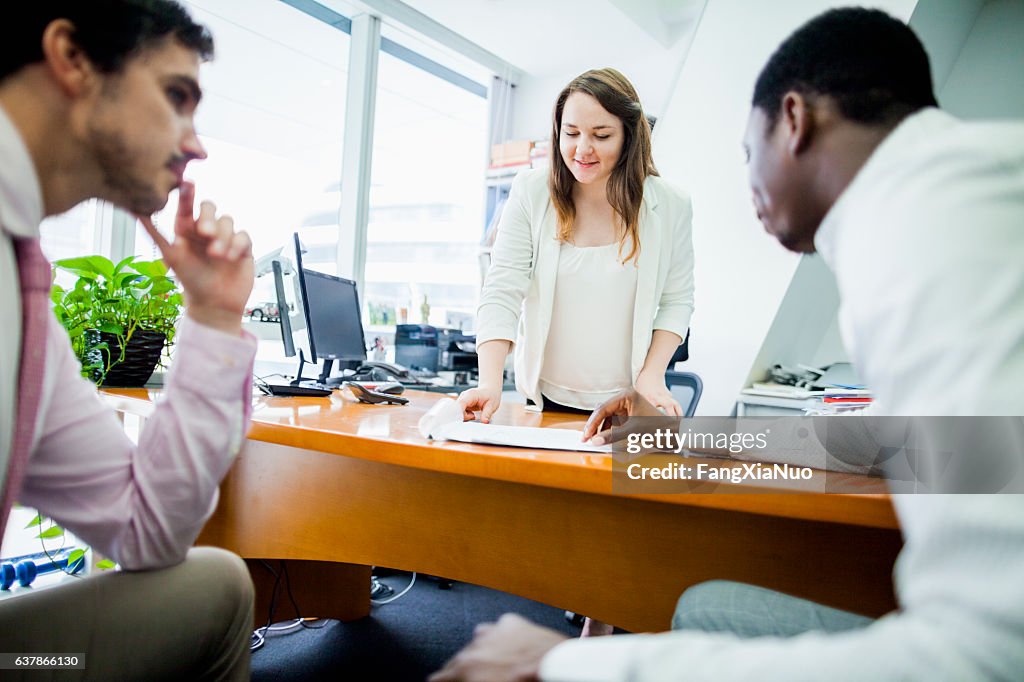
x,y
652,387
482,399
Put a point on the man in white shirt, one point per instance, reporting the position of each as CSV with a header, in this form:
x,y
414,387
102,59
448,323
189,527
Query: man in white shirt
x,y
921,217
97,99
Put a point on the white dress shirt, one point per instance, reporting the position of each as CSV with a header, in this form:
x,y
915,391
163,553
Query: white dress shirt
x,y
140,505
927,244
586,360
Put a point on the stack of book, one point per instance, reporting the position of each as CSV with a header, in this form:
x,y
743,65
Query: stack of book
x,y
773,390
511,154
845,398
539,155
846,394
508,158
833,398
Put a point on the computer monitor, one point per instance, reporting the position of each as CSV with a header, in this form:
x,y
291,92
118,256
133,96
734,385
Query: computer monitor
x,y
283,309
333,320
283,263
325,321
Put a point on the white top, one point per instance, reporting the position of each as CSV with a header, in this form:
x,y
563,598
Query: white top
x,y
518,295
586,360
141,505
927,244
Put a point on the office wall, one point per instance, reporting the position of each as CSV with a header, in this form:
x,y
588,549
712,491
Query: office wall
x,y
741,273
650,66
805,328
987,78
977,59
943,27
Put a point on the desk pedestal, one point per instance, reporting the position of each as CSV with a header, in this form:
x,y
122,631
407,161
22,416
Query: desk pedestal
x,y
321,589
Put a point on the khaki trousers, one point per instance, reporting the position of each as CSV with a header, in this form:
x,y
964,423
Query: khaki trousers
x,y
192,621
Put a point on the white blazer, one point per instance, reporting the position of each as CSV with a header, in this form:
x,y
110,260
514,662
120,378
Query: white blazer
x,y
519,290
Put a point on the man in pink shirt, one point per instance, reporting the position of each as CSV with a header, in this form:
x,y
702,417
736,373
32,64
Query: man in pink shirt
x,y
97,99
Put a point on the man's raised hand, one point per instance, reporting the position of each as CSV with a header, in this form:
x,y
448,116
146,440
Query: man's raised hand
x,y
212,261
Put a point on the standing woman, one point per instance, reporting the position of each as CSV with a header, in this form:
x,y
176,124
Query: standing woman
x,y
592,272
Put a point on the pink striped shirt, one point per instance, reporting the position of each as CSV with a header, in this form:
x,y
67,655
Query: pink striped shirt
x,y
141,505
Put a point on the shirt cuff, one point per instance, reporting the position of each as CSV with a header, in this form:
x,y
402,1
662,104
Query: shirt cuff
x,y
219,362
676,324
494,323
592,659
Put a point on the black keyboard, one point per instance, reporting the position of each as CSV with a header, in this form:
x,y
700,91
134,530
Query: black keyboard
x,y
317,390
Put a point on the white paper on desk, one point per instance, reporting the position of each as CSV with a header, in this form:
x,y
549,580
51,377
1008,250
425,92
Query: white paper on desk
x,y
444,422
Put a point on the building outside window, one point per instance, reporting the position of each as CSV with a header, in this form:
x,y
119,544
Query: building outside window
x,y
272,122
427,185
74,233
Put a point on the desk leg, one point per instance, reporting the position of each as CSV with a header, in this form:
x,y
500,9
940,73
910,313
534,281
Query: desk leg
x,y
322,589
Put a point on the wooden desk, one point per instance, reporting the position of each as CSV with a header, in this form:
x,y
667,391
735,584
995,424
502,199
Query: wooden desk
x,y
332,480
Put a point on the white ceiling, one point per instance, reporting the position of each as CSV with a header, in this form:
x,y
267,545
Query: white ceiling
x,y
278,83
545,37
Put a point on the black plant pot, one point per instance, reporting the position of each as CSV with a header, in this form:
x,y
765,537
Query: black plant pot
x,y
144,349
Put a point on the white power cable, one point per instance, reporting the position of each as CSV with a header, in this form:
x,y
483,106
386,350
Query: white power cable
x,y
381,602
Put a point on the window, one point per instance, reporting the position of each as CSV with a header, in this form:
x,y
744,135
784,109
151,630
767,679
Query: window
x,y
272,121
427,186
76,232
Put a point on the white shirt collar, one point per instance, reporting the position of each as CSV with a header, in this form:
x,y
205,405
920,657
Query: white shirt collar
x,y
916,129
21,197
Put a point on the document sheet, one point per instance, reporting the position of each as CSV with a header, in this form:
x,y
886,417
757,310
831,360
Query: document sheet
x,y
444,422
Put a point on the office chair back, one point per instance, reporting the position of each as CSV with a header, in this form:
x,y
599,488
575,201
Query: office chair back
x,y
685,387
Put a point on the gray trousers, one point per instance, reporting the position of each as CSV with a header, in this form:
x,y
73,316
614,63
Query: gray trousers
x,y
749,611
192,621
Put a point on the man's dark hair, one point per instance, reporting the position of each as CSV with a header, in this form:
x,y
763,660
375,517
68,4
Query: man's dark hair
x,y
110,32
870,64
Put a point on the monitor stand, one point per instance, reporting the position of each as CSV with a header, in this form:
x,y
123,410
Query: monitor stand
x,y
328,380
325,378
299,380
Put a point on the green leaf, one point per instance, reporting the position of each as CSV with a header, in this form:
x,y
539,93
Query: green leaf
x,y
105,564
123,264
52,532
35,522
123,279
82,263
111,328
75,556
84,276
162,286
154,268
103,265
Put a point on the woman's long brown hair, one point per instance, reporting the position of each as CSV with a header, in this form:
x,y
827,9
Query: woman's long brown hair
x,y
625,189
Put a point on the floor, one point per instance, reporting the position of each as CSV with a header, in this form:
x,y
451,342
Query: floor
x,y
405,640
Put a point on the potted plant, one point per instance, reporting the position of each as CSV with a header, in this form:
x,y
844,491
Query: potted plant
x,y
121,318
